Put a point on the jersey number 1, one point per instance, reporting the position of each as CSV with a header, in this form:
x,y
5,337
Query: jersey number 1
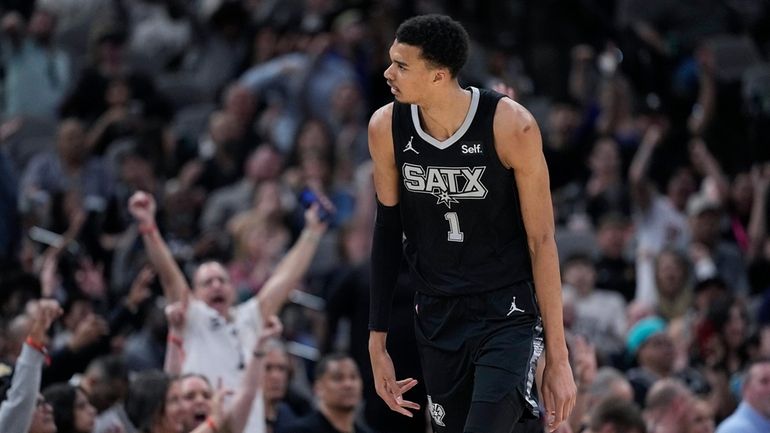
x,y
454,234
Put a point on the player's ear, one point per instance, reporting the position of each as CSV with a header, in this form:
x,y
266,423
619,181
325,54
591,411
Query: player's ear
x,y
440,75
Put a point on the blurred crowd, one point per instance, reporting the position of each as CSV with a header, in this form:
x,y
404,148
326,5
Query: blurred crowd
x,y
155,158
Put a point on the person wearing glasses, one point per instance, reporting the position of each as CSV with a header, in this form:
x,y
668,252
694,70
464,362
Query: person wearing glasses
x,y
42,417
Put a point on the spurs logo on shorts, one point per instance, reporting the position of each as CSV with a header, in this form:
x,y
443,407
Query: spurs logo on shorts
x,y
436,412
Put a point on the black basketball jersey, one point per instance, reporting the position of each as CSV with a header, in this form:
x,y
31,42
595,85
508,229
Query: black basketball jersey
x,y
460,210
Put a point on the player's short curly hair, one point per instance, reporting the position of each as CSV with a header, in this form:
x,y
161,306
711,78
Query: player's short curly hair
x,y
443,41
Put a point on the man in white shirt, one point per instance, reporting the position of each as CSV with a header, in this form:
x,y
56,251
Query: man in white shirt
x,y
753,414
218,336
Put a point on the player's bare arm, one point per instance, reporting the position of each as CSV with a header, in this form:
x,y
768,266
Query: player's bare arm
x,y
381,150
518,142
386,186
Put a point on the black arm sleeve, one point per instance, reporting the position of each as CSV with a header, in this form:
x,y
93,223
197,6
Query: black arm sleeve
x,y
387,253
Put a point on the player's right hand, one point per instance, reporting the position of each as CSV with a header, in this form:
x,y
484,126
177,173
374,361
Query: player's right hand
x,y
388,388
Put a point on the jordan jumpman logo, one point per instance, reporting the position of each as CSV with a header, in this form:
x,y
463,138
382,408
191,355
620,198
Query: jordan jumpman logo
x,y
514,308
409,146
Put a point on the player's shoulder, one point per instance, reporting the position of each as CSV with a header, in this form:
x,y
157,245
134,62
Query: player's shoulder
x,y
382,119
517,136
512,117
380,133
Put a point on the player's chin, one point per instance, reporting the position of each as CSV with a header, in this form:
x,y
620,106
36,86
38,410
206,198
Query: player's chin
x,y
398,96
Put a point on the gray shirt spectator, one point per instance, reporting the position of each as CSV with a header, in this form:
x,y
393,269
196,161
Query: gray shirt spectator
x,y
70,168
16,410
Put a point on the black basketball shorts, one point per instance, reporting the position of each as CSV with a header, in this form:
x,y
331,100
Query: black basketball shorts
x,y
479,350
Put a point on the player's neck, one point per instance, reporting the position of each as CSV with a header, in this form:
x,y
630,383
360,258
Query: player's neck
x,y
443,114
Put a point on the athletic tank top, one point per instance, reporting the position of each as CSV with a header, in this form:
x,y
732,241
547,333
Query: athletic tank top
x,y
460,210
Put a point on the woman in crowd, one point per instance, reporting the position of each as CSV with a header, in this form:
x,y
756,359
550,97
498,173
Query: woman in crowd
x,y
154,403
71,410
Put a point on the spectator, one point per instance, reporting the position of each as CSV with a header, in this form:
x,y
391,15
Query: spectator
x,y
120,119
724,335
217,337
241,104
616,416
221,152
614,271
196,393
660,219
37,71
260,237
144,349
338,390
606,190
160,32
88,99
153,403
14,338
42,417
739,206
563,143
753,414
599,314
653,350
70,168
711,255
608,384
264,164
669,407
672,283
106,383
704,417
71,410
196,400
278,373
19,411
759,343
706,292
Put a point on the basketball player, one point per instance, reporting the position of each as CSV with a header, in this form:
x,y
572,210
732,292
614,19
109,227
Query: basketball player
x,y
461,179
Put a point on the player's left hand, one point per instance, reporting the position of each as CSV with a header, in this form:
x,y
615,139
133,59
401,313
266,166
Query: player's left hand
x,y
559,392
